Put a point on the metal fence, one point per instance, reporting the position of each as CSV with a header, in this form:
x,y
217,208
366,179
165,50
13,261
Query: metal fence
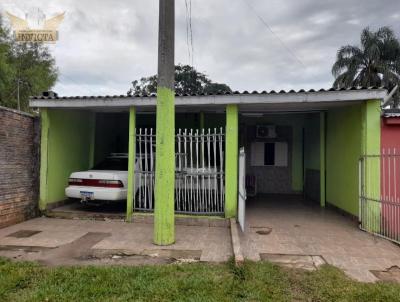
x,y
380,194
199,171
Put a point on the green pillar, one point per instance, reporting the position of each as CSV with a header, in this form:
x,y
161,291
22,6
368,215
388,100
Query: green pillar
x,y
92,121
44,145
231,160
297,157
164,215
322,171
131,164
201,120
371,138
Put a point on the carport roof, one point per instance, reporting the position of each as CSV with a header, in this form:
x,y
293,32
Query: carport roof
x,y
247,101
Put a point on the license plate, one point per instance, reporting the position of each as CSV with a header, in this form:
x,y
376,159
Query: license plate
x,y
87,195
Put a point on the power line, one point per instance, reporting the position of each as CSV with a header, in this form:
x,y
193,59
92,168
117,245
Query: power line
x,y
187,29
274,34
191,31
79,85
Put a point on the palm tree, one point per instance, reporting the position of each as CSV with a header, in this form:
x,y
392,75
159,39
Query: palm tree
x,y
375,63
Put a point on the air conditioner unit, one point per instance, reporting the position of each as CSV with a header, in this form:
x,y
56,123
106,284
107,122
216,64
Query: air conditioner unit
x,y
266,131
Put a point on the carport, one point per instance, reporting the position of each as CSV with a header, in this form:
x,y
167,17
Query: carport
x,y
321,136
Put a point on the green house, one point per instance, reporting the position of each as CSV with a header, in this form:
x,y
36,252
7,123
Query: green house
x,y
305,142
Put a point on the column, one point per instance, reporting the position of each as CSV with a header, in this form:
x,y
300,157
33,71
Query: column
x,y
131,164
231,160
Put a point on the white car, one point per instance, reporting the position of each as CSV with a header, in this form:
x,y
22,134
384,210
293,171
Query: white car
x,y
107,181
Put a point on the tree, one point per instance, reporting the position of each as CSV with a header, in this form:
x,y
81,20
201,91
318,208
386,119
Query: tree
x,y
29,64
375,63
187,81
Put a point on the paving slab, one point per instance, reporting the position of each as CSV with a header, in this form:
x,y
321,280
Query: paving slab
x,y
211,244
294,227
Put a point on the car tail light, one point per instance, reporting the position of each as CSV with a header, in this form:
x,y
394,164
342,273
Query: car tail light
x,y
104,183
75,181
110,183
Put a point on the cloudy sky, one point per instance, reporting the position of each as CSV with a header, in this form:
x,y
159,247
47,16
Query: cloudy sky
x,y
104,45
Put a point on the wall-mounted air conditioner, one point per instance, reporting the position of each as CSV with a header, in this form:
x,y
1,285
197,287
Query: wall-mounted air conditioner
x,y
266,131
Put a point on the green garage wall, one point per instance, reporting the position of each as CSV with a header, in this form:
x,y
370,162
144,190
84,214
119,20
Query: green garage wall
x,y
67,140
343,150
312,182
311,142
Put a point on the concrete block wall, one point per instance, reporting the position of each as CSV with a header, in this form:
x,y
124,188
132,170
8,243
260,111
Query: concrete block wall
x,y
19,166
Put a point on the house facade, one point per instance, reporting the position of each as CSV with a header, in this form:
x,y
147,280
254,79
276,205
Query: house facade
x,y
304,142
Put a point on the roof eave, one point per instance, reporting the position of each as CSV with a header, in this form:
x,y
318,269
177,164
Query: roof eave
x,y
243,98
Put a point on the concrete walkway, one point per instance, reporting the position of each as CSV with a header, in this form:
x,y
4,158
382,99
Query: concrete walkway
x,y
280,229
109,238
284,225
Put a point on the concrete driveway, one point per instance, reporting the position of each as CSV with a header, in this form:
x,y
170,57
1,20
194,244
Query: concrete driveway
x,y
281,229
278,226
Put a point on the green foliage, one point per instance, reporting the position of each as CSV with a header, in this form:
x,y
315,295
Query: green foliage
x,y
253,281
187,81
30,64
375,63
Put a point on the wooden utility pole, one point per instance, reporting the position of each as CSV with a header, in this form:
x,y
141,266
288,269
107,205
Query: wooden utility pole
x,y
164,219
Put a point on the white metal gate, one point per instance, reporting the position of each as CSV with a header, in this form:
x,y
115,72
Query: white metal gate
x,y
199,171
379,208
242,189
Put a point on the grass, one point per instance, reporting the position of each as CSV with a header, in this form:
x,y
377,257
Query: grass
x,y
262,281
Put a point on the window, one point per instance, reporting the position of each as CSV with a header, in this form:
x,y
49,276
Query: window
x,y
269,154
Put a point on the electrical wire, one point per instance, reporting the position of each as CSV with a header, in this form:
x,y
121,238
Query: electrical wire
x,y
274,34
78,85
187,30
191,31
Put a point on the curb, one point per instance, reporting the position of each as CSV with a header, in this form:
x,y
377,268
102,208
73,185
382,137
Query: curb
x,y
237,250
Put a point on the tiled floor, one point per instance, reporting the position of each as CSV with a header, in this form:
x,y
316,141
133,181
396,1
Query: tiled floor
x,y
304,229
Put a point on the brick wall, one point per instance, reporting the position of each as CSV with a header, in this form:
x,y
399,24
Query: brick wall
x,y
19,166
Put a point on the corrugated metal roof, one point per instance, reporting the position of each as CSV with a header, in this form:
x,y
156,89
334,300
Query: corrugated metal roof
x,y
391,112
205,94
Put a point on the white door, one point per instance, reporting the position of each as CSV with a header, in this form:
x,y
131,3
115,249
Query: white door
x,y
242,189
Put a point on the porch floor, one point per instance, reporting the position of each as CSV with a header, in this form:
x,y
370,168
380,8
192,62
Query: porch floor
x,y
287,225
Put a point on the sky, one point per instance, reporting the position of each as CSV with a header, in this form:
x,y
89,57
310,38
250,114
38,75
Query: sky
x,y
104,45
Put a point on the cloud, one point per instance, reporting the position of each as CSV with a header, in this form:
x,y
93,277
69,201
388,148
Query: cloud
x,y
104,45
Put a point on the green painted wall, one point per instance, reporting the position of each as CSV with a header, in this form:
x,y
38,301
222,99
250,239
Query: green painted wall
x,y
371,138
68,150
44,147
343,150
297,158
322,158
311,141
352,131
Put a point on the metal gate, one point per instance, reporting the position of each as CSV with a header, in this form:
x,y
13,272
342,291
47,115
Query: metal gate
x,y
379,208
199,171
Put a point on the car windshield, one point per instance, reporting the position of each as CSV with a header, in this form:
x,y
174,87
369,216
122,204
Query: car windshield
x,y
113,163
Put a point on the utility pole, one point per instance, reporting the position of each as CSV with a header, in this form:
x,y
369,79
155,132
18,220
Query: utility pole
x,y
164,212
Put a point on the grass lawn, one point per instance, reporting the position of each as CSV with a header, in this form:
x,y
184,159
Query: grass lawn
x,y
24,281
